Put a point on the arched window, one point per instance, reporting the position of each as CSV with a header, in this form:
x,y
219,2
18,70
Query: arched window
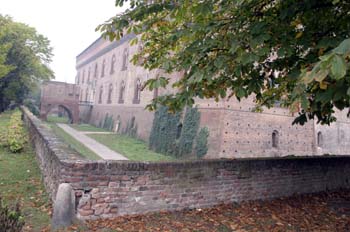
x,y
103,68
179,130
110,91
112,64
125,59
121,92
82,81
93,96
275,139
139,50
137,94
319,139
89,71
100,96
116,91
86,95
96,69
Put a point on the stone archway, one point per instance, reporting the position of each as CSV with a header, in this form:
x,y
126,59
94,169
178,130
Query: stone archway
x,y
60,94
45,112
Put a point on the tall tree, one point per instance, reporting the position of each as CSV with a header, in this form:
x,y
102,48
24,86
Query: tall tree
x,y
24,59
293,52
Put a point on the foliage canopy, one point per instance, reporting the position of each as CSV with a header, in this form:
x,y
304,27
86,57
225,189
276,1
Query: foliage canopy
x,y
293,52
24,59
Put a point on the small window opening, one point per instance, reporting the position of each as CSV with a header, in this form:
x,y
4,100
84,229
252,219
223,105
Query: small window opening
x,y
178,131
275,139
319,139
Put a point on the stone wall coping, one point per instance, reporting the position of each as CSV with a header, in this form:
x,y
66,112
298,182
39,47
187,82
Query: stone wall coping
x,y
70,158
140,166
60,149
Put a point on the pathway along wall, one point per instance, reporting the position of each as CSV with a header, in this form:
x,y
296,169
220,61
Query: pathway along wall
x,y
113,188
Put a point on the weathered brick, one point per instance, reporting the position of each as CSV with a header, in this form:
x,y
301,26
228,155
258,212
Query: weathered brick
x,y
115,188
83,212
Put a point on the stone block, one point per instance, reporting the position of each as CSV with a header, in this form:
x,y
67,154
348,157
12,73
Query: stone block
x,y
64,207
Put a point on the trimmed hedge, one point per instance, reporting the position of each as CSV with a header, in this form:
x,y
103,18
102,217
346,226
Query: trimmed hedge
x,y
108,122
164,130
131,128
16,136
173,136
189,131
202,142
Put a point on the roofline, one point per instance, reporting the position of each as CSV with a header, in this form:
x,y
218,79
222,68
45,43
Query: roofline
x,y
57,82
111,46
92,44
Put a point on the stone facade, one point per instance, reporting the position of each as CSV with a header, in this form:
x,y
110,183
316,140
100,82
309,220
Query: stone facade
x,y
234,130
56,96
111,188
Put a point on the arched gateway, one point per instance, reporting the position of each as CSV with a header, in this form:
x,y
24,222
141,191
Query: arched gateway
x,y
60,95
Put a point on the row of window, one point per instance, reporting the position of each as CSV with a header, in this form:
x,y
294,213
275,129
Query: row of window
x,y
275,139
112,70
136,99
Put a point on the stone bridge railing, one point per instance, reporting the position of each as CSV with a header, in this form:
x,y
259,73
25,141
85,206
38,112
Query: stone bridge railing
x,y
112,188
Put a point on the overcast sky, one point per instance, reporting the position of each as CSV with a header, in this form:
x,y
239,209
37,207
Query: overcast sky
x,y
68,24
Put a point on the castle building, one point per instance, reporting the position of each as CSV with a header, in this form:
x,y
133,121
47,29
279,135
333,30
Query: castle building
x,y
110,87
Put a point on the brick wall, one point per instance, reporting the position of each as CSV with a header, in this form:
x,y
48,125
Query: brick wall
x,y
112,188
50,151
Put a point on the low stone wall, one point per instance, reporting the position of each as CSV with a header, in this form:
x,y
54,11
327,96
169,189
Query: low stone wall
x,y
51,151
113,188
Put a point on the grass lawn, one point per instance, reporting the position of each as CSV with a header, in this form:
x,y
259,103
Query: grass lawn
x,y
131,148
75,144
88,127
56,119
20,180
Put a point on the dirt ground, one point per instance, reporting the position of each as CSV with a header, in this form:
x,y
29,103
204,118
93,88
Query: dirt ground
x,y
326,211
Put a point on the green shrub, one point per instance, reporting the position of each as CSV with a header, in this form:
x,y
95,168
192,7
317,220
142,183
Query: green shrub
x,y
163,133
189,131
130,128
16,136
170,136
10,220
202,142
108,122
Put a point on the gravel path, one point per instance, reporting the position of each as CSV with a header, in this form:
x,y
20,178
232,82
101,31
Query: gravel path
x,y
100,149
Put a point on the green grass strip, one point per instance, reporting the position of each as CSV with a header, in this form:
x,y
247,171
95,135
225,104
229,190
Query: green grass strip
x,y
75,144
131,148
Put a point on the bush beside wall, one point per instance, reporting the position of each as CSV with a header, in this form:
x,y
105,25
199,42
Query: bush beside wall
x,y
202,142
108,188
173,136
16,136
189,131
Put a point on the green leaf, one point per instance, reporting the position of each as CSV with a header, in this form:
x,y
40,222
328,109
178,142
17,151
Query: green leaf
x,y
306,77
338,67
234,46
249,58
304,102
240,92
343,48
321,75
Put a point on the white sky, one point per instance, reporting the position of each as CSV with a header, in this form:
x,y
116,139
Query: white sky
x,y
68,24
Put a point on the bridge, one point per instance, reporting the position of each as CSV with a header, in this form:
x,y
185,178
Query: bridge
x,y
62,96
